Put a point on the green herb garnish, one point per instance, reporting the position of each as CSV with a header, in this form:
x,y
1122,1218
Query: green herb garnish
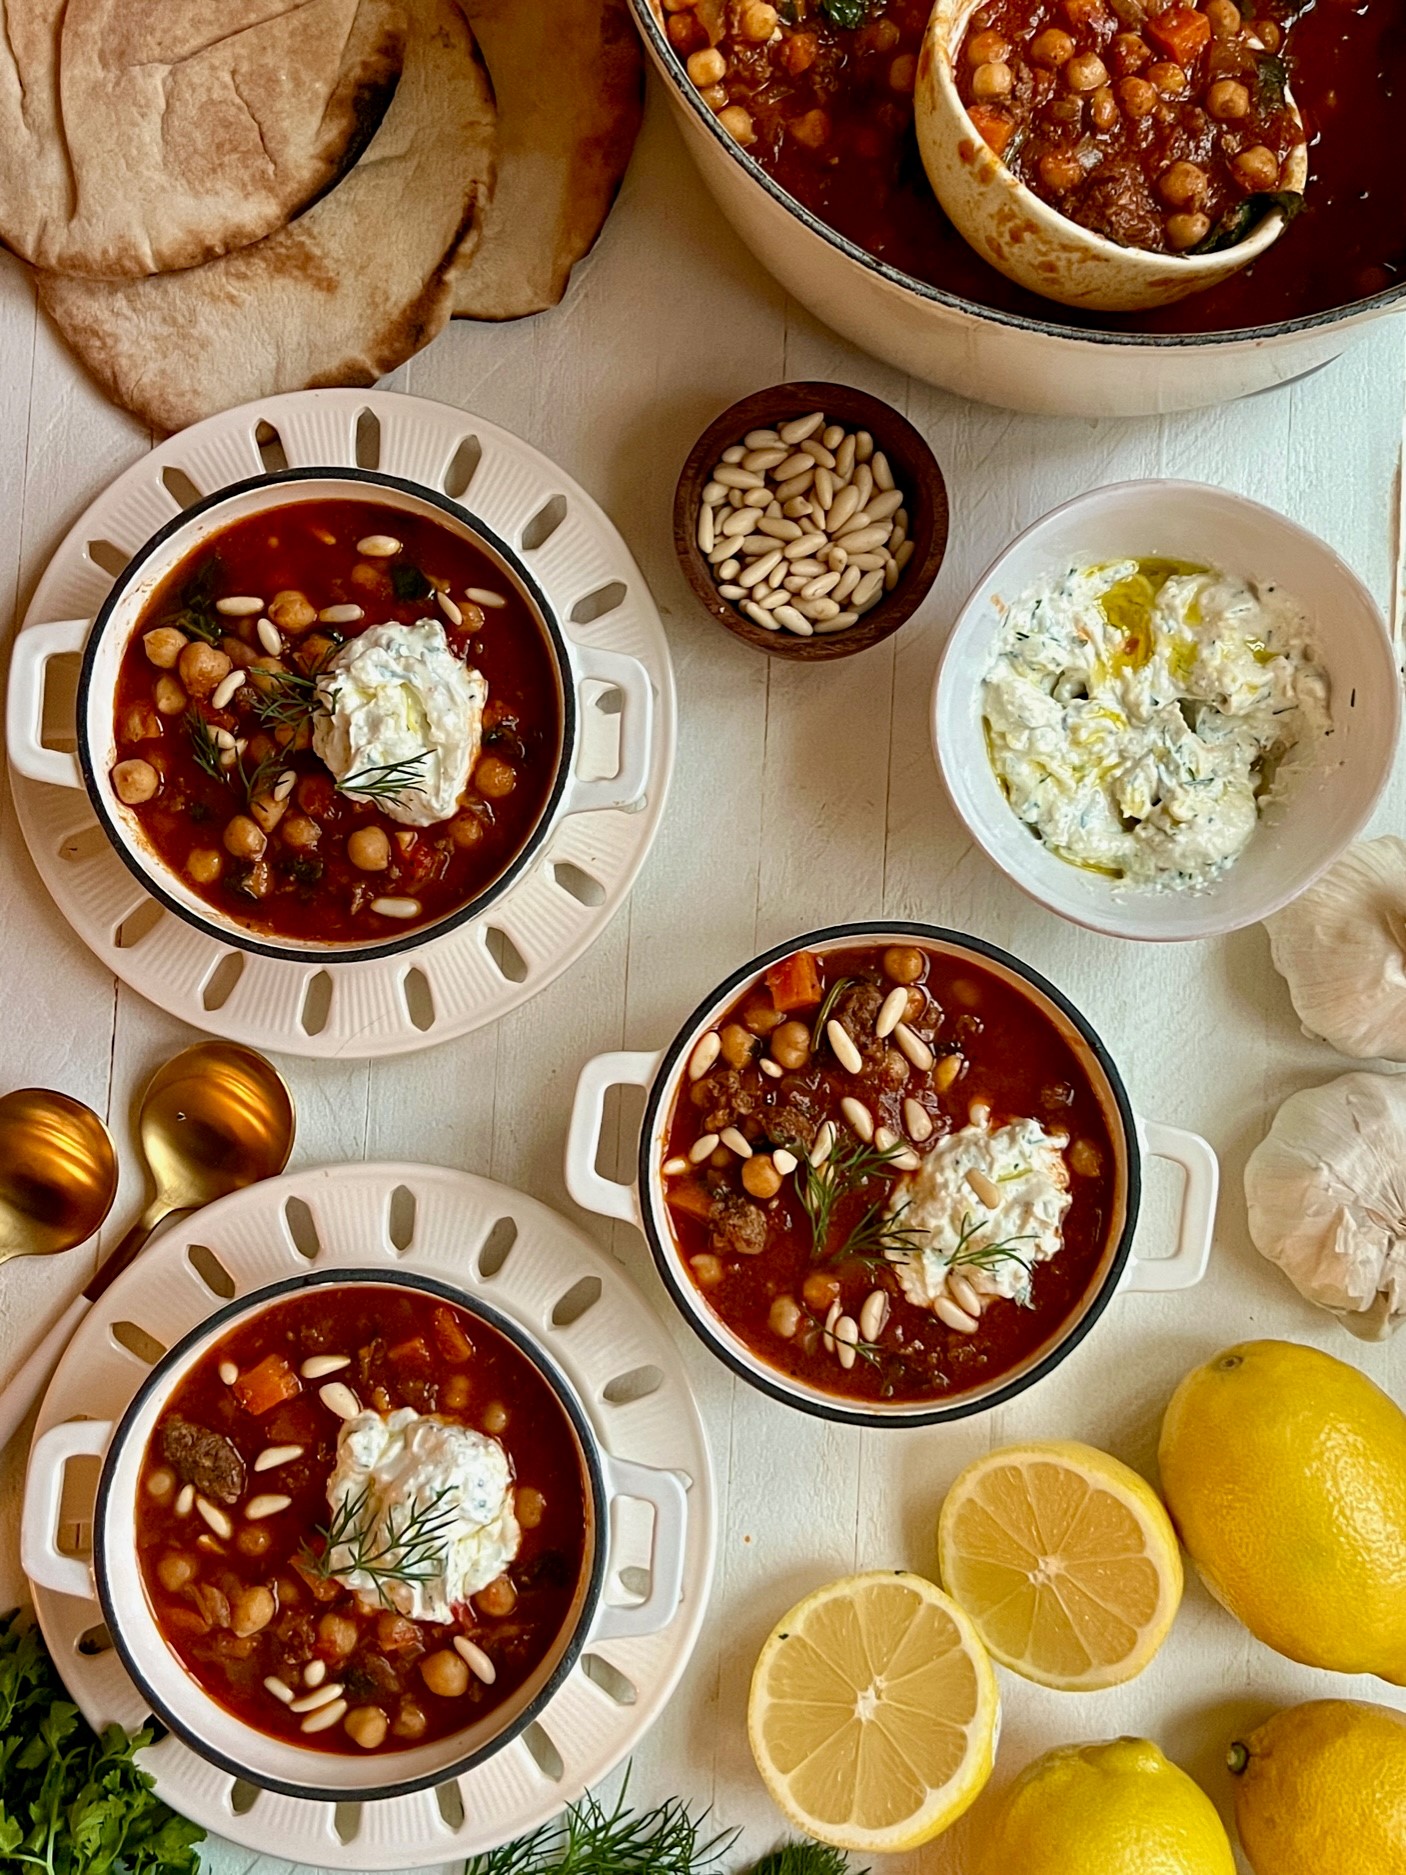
x,y
821,1188
986,1256
847,13
589,1839
827,1008
868,1351
288,699
408,582
387,780
1271,82
408,1550
805,1858
196,615
204,747
1246,216
72,1803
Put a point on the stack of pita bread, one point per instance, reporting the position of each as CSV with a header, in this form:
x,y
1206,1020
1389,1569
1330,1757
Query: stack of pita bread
x,y
222,201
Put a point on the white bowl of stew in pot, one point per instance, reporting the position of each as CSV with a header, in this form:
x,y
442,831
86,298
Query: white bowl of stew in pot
x,y
890,1174
352,1533
327,712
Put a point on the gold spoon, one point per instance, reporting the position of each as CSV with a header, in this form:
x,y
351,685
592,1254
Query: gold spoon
x,y
212,1121
58,1173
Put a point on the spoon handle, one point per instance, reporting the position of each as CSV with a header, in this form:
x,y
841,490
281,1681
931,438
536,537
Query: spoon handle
x,y
32,1376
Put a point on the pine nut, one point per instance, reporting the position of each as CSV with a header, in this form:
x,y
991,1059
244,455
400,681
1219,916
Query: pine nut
x,y
883,474
215,1517
760,460
273,1456
475,1659
963,1293
758,617
319,1366
884,505
378,546
842,1042
338,1398
229,1373
863,445
914,1047
771,1068
323,1720
859,1117
240,606
867,592
833,435
916,1119
702,1148
705,1053
985,1188
865,539
396,907
279,1688
482,596
885,1138
842,509
734,1141
824,487
341,614
761,439
785,1162
269,636
314,1673
779,528
799,428
947,1311
285,784
824,1143
713,493
803,547
758,570
185,1500
224,691
673,1167
797,485
734,453
873,1315
222,739
267,1504
731,477
794,621
891,1014
832,1317
818,453
738,522
451,611
844,458
849,579
846,1335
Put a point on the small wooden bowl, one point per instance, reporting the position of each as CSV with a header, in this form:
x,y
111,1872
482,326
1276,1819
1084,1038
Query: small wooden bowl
x,y
915,471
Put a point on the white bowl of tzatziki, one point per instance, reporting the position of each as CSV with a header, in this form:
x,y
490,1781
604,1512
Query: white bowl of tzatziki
x,y
1165,710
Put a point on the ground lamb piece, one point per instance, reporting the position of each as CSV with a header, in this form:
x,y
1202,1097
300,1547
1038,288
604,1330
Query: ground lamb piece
x,y
738,1225
790,1126
727,1099
203,1458
856,1011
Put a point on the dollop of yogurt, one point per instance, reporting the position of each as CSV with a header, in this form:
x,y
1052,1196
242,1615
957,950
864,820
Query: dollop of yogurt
x,y
994,1199
397,694
1141,714
427,1496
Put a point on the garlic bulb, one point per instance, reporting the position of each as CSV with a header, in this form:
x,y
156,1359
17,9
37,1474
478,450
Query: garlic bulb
x,y
1341,947
1326,1189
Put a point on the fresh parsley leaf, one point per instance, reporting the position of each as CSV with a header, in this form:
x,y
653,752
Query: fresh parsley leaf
x,y
847,13
408,582
1246,216
1271,82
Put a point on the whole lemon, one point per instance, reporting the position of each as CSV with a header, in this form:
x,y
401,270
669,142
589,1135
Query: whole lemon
x,y
1118,1808
1316,1778
1285,1473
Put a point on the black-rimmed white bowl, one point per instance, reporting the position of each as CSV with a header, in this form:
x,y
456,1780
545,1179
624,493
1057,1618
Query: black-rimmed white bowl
x,y
1011,359
114,1581
103,640
642,1202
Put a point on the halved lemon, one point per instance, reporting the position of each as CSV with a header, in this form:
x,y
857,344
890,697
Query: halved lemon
x,y
1066,1562
873,1713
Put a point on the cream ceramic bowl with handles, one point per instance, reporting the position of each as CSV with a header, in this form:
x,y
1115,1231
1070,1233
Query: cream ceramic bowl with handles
x,y
1297,838
103,640
642,1201
1032,243
113,1580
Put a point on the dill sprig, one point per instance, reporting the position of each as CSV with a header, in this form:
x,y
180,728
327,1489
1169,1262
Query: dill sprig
x,y
827,1008
260,779
203,746
409,1551
287,699
385,781
196,615
589,1839
868,1351
822,1188
989,1256
805,1858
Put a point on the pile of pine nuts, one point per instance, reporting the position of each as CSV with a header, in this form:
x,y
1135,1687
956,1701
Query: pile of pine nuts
x,y
803,526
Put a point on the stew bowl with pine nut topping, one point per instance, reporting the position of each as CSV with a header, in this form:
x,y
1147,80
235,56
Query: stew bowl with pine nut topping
x,y
328,712
889,1174
352,1534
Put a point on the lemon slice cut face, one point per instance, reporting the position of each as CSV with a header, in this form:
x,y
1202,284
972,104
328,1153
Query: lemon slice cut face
x,y
873,1713
1066,1562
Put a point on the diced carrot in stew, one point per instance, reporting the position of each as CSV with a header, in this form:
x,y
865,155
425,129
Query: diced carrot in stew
x,y
1181,33
690,1196
453,1342
794,982
996,128
266,1385
413,1350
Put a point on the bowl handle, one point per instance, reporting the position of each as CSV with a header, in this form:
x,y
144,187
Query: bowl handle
x,y
607,1197
665,1491
631,679
33,651
40,1557
1185,1267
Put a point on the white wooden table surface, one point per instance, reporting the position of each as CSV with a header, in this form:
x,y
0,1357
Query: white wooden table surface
x,y
801,795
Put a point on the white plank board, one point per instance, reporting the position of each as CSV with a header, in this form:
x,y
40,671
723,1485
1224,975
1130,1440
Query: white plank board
x,y
801,795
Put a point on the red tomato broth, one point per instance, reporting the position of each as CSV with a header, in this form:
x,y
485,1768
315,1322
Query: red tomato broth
x,y
408,1348
1015,1059
313,892
1346,61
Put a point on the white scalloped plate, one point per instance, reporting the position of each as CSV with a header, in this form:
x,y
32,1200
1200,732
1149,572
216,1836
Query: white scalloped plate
x,y
480,971
349,1215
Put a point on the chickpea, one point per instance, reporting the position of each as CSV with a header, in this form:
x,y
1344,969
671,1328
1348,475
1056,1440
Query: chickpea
x,y
410,1721
369,848
785,1317
445,1674
1169,79
394,1634
1084,12
237,651
790,1045
1060,172
1187,229
903,74
1138,98
679,6
707,1269
466,830
140,723
1224,16
366,1726
992,81
135,781
161,1483
760,1176
1257,170
738,124
1052,47
530,1506
1131,52
497,1600
1271,34
173,1572
267,811
202,668
292,611
495,1418
454,1394
903,963
1228,100
811,129
1085,72
204,864
168,696
988,48
707,68
818,1291
495,777
758,21
244,839
164,645
336,1636
686,35
300,832
251,1608
1183,185
253,1540
1103,109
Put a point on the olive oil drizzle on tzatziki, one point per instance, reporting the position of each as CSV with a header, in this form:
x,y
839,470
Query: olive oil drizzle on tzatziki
x,y
1140,714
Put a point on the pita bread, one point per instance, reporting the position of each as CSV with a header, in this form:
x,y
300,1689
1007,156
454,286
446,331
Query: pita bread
x,y
341,296
569,75
137,135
